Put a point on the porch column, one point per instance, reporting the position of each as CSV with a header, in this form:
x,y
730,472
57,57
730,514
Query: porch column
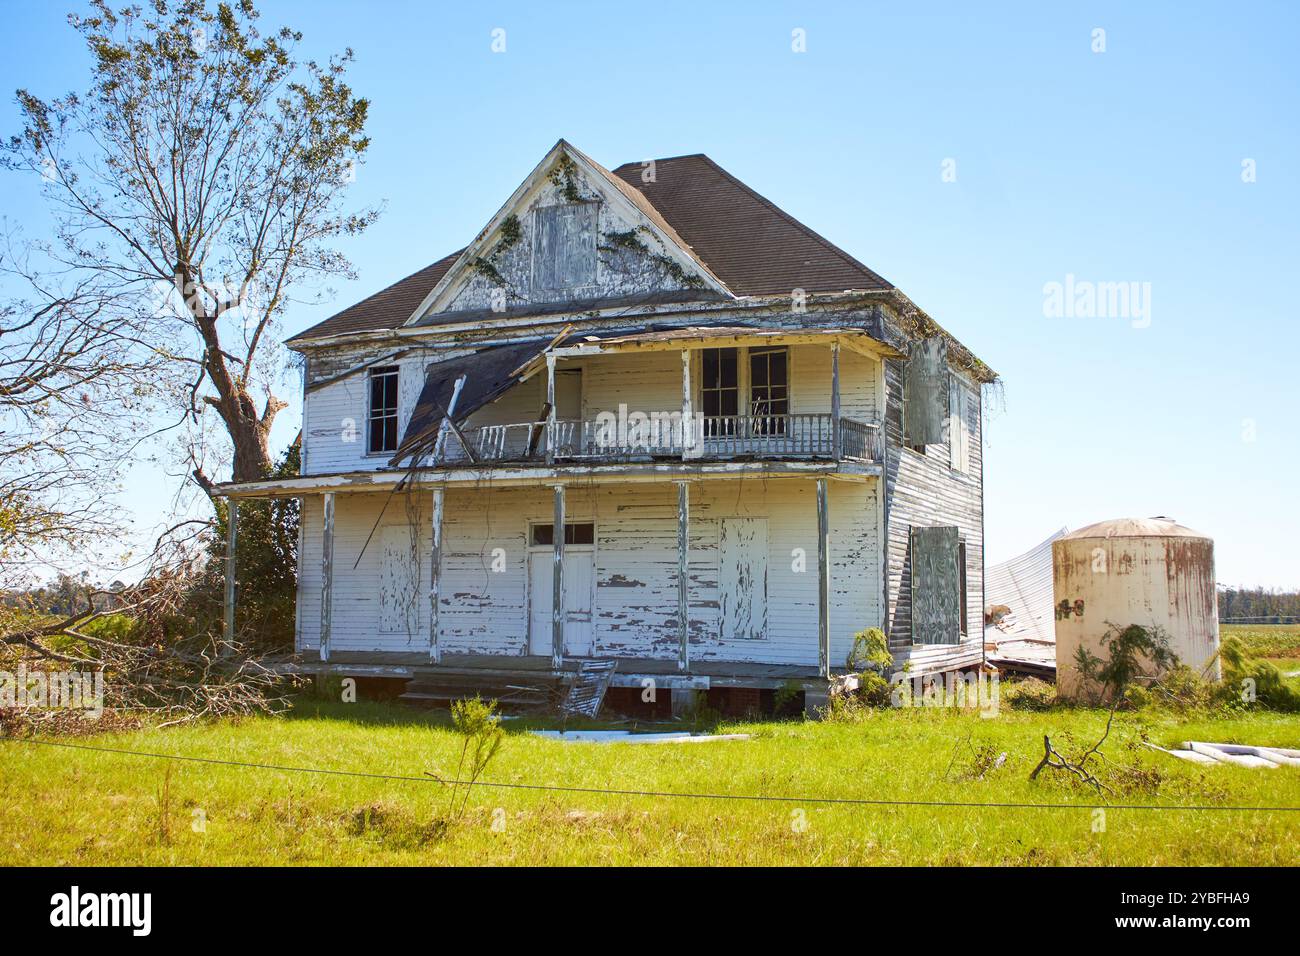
x,y
232,535
327,575
435,569
550,409
557,590
683,563
835,400
688,413
823,581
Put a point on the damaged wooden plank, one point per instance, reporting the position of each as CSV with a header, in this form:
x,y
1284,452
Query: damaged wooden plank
x,y
435,573
683,577
587,690
327,575
823,581
557,582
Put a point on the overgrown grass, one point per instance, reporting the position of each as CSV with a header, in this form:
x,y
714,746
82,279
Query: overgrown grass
x,y
61,806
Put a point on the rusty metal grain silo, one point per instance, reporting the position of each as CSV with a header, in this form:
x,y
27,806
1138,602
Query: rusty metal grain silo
x,y
1147,571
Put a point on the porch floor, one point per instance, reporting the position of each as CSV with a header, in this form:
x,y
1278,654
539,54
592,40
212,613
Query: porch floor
x,y
701,675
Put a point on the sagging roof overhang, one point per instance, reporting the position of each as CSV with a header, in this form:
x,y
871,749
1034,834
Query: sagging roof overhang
x,y
688,337
910,319
455,389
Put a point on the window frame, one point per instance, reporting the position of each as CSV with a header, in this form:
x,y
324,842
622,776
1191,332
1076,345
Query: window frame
x,y
568,527
707,389
385,412
962,597
766,352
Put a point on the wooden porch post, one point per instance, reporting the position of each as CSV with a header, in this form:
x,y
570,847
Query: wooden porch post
x,y
435,569
232,535
557,590
688,413
835,400
550,405
823,581
683,567
327,576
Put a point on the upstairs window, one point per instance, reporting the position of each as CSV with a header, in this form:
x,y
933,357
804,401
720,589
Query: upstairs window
x,y
382,431
959,437
720,391
769,390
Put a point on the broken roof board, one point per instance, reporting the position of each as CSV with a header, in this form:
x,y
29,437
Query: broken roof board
x,y
488,374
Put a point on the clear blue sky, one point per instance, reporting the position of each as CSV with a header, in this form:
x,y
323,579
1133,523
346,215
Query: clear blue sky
x,y
1117,166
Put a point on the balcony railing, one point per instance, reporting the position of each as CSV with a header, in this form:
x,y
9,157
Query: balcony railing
x,y
639,438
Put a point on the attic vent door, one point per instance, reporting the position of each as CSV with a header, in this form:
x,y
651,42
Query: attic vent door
x,y
564,246
936,586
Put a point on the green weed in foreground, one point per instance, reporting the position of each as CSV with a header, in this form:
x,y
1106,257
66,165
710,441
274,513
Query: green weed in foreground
x,y
60,806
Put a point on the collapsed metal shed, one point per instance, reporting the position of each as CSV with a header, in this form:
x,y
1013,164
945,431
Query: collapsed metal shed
x,y
1020,627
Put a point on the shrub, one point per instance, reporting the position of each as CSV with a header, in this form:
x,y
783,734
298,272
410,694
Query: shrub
x,y
1243,675
870,652
1030,694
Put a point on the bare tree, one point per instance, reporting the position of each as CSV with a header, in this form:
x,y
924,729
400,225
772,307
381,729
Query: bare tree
x,y
78,384
200,178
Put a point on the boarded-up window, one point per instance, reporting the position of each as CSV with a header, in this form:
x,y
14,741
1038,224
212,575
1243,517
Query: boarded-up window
x,y
925,392
399,576
958,430
936,586
742,577
564,246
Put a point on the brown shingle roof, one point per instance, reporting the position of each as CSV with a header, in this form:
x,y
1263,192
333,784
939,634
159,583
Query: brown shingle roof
x,y
749,244
386,309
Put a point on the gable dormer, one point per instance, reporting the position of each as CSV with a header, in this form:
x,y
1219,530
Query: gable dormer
x,y
572,235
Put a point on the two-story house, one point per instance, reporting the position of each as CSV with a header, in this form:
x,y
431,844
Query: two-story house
x,y
644,415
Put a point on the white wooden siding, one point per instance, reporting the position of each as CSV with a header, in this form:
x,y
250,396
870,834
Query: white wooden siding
x,y
485,611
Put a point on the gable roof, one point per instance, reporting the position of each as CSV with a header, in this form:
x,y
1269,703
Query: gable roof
x,y
746,242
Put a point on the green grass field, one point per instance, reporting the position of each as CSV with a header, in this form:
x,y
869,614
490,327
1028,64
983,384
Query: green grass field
x,y
61,806
70,806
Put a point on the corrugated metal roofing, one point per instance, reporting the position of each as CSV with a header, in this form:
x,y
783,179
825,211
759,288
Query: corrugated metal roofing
x,y
1024,584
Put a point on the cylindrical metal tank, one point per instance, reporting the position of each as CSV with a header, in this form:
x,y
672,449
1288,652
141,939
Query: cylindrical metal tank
x,y
1147,571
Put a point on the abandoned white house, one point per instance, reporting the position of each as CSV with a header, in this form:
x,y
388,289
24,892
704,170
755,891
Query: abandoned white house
x,y
644,415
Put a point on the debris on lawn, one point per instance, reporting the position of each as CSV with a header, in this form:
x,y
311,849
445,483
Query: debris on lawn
x,y
1243,755
631,737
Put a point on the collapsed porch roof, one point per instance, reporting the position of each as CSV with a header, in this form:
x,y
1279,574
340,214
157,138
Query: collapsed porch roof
x,y
487,375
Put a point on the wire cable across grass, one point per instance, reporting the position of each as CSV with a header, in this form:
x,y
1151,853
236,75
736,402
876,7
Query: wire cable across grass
x,y
671,794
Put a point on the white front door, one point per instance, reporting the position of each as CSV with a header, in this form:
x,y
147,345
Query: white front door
x,y
579,573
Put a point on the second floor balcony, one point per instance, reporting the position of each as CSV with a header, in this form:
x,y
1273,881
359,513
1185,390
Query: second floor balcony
x,y
622,437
